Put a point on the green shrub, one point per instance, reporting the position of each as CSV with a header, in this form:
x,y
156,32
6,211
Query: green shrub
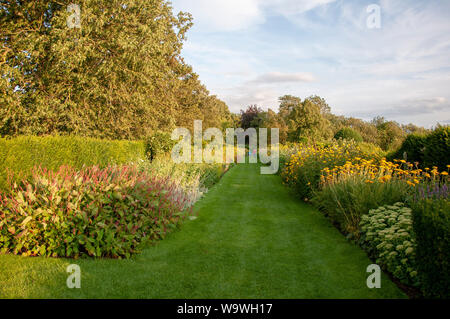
x,y
371,151
349,199
428,150
158,144
437,150
412,149
94,212
19,155
348,133
387,236
431,222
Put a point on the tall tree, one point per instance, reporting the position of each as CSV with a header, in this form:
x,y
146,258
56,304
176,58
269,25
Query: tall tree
x,y
287,105
321,103
120,75
306,123
390,135
250,117
270,120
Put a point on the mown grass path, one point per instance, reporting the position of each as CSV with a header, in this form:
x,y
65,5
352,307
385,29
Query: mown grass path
x,y
252,239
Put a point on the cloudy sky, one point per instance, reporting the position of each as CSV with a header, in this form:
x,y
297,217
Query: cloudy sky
x,y
253,51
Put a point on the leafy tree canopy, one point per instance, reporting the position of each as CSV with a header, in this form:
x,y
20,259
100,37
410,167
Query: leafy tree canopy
x,y
120,75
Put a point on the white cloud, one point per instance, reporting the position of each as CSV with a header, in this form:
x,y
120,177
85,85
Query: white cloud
x,y
412,107
222,15
293,7
278,77
235,15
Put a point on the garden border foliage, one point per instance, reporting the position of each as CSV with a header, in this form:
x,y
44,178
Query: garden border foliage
x,y
20,154
111,212
428,150
431,223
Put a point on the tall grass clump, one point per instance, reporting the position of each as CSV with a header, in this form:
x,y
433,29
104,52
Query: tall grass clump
x,y
347,200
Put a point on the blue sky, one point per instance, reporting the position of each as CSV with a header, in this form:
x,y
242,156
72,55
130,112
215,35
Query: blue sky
x,y
253,51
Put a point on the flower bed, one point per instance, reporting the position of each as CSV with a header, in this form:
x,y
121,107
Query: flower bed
x,y
95,212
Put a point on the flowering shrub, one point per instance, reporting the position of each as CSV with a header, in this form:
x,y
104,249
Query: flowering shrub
x,y
383,171
347,180
304,168
348,191
433,191
387,236
97,212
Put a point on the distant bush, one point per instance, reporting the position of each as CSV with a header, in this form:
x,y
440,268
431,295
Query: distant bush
x,y
348,133
387,236
431,222
19,155
428,150
94,212
437,150
412,149
390,134
158,144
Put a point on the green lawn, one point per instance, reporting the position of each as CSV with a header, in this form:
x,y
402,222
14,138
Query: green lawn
x,y
252,239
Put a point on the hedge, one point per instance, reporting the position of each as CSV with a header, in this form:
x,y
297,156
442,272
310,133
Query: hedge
x,y
437,151
431,224
21,154
412,148
428,150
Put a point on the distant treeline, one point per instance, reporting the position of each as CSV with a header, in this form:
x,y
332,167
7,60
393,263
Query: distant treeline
x,y
310,120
